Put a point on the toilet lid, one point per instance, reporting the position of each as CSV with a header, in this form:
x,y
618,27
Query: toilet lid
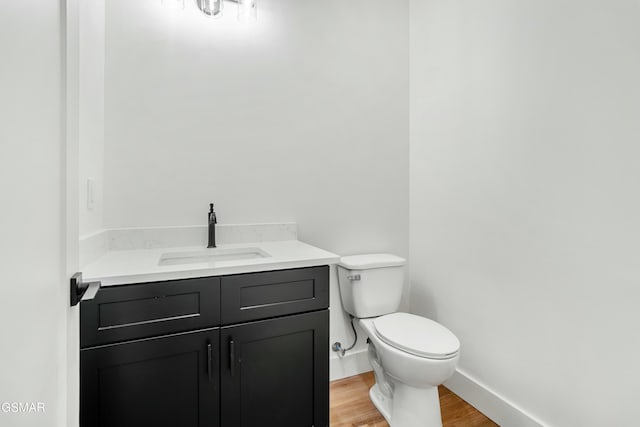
x,y
417,335
364,262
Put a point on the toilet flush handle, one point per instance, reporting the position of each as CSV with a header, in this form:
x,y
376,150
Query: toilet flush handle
x,y
354,277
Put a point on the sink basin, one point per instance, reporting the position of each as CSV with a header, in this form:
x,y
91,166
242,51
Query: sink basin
x,y
210,256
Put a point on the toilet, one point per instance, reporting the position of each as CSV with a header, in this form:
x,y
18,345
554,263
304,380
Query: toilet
x,y
410,355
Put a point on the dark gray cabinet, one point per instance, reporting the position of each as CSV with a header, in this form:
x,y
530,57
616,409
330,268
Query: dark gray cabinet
x,y
121,313
275,372
248,350
256,296
162,382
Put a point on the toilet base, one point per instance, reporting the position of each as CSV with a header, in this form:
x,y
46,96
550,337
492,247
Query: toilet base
x,y
382,404
409,407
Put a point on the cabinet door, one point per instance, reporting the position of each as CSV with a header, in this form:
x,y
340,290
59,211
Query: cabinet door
x,y
276,372
168,381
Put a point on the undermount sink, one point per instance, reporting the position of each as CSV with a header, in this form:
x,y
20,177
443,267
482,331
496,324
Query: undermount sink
x,y
212,256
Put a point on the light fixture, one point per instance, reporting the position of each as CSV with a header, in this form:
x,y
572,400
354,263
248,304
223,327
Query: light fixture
x,y
211,8
247,9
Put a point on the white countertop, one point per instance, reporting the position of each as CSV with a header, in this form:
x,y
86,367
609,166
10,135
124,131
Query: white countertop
x,y
121,267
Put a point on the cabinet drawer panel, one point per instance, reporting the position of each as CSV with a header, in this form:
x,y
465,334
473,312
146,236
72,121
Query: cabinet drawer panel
x,y
276,293
124,313
127,312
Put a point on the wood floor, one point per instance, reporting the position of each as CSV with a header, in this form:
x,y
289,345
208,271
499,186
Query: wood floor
x,y
351,407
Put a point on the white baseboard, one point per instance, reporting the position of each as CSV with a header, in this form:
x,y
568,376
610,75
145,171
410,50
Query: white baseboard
x,y
352,363
490,403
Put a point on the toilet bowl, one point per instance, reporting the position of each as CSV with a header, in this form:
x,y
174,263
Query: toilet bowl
x,y
410,355
406,390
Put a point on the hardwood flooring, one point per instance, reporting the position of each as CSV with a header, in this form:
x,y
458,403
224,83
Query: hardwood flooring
x,y
351,407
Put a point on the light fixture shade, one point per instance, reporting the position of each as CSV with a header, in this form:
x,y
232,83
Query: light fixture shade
x,y
247,10
210,7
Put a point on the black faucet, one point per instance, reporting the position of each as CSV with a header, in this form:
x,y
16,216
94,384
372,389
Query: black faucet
x,y
212,227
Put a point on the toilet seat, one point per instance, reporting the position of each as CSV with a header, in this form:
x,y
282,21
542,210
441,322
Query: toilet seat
x,y
417,335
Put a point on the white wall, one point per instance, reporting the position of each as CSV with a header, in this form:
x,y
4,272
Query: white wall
x,y
524,198
302,117
33,290
91,51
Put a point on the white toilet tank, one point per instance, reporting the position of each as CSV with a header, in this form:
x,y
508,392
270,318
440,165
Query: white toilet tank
x,y
371,285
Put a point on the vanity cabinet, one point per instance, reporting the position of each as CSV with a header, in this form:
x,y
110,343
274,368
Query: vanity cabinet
x,y
246,350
